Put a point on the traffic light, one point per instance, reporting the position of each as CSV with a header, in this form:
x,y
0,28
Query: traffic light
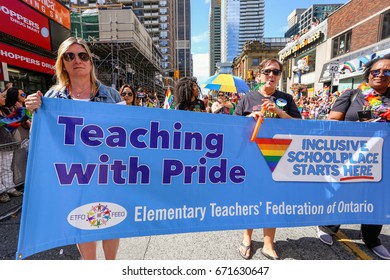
x,y
249,74
176,74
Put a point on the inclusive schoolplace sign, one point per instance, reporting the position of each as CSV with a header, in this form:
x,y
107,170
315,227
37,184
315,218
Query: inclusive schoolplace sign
x,y
102,171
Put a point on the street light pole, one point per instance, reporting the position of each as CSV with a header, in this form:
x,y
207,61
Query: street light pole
x,y
299,69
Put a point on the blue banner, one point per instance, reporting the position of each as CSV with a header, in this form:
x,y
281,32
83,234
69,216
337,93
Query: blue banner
x,y
101,171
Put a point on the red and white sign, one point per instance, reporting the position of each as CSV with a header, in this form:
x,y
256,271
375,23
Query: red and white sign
x,y
27,60
1,73
52,9
22,22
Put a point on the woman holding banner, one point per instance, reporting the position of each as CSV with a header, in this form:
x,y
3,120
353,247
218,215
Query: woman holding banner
x,y
369,102
267,102
76,79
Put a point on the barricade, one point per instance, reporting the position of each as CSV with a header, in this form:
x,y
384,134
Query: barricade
x,y
16,152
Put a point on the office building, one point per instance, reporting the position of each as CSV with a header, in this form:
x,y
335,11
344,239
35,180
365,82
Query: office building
x,y
241,21
316,12
215,34
183,37
293,22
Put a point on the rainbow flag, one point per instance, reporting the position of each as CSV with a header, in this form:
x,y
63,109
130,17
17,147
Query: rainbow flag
x,y
168,99
273,149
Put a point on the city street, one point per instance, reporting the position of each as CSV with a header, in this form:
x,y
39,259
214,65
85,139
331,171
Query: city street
x,y
298,243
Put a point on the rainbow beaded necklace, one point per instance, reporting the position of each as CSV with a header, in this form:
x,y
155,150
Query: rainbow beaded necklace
x,y
374,100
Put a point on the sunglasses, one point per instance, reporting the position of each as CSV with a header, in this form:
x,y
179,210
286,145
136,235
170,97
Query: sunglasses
x,y
276,72
23,94
221,95
69,56
123,94
375,73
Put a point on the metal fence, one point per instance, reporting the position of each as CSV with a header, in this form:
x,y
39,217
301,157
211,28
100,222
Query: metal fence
x,y
14,155
13,161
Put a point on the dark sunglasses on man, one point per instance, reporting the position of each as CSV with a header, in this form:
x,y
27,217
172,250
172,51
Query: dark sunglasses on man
x,y
70,56
129,93
376,73
276,72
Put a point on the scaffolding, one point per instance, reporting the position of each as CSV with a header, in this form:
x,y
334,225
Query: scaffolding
x,y
123,50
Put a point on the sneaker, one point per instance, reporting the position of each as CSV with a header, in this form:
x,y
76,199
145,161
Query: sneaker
x,y
324,237
381,252
15,193
4,198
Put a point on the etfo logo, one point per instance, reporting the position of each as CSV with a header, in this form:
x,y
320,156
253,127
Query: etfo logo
x,y
97,215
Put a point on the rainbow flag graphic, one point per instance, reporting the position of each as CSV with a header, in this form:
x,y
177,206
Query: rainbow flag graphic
x,y
168,99
273,149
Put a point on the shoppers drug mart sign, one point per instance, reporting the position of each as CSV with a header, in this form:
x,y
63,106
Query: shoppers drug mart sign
x,y
27,60
20,21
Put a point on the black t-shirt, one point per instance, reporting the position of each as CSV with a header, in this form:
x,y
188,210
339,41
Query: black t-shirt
x,y
253,100
197,105
345,104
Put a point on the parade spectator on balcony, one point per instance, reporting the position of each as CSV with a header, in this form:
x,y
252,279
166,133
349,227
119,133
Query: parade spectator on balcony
x,y
76,80
372,96
128,95
276,104
187,95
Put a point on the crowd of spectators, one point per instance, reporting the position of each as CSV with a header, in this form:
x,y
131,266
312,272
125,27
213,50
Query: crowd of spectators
x,y
14,130
315,108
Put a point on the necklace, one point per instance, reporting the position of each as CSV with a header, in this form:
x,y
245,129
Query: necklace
x,y
76,94
374,100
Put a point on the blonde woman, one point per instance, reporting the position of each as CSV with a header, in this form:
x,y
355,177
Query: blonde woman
x,y
76,79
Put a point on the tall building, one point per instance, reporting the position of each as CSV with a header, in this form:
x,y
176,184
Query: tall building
x,y
241,21
215,34
317,11
293,22
183,37
158,17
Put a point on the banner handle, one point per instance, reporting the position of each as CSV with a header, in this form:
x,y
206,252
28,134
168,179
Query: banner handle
x,y
256,129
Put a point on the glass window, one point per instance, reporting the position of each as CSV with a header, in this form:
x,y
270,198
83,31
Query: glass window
x,y
138,4
163,26
255,61
163,11
163,34
386,26
342,44
163,18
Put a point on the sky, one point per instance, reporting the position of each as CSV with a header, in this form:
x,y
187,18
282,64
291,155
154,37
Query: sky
x,y
276,13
